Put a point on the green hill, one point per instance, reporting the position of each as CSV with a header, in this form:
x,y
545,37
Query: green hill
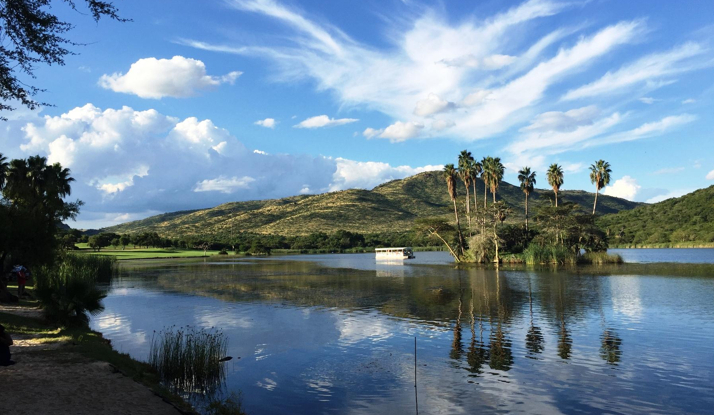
x,y
682,221
390,207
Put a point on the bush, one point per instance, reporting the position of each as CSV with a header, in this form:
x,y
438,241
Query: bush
x,y
548,254
600,258
68,290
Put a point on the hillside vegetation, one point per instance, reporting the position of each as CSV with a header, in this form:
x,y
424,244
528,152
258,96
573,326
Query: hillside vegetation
x,y
682,221
390,207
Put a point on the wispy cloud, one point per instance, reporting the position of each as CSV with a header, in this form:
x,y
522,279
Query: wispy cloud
x,y
324,121
651,68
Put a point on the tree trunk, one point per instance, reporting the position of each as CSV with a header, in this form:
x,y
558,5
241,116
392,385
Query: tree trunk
x,y
495,241
485,195
526,212
475,204
597,190
456,257
458,228
468,208
556,198
493,192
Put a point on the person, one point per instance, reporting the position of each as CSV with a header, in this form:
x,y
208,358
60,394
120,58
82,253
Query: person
x,y
21,281
5,343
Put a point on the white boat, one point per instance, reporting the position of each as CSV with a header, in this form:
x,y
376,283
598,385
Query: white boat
x,y
394,253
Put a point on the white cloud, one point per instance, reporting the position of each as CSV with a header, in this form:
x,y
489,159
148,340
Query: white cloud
x,y
368,174
441,125
401,131
563,121
177,77
649,68
487,63
324,121
267,123
646,130
371,132
689,101
143,162
432,105
648,100
224,185
626,188
710,175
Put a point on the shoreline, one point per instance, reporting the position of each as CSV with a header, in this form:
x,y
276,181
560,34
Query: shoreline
x,y
77,370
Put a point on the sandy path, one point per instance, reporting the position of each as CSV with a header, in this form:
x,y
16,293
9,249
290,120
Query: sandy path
x,y
51,379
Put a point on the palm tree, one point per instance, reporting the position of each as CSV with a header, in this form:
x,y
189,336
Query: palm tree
x,y
600,177
450,176
477,169
493,171
555,179
466,162
528,182
485,163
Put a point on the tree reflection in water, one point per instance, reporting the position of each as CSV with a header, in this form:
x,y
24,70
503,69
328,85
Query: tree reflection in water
x,y
610,347
500,355
534,337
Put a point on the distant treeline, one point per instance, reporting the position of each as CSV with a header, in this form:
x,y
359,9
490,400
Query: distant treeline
x,y
251,242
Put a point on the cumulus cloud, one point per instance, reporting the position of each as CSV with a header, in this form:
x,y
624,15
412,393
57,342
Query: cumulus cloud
x,y
710,175
368,174
401,131
372,132
324,121
432,105
267,123
626,188
137,163
223,184
177,77
441,125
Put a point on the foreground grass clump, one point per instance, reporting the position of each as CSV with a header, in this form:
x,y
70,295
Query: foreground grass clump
x,y
67,290
188,359
549,254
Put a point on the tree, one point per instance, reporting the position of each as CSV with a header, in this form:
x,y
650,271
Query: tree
x,y
476,170
466,162
3,170
528,182
33,194
32,35
555,179
600,177
438,228
500,212
450,176
493,171
124,240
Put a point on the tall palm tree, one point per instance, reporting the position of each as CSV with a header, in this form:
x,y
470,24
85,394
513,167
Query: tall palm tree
x,y
600,177
528,182
466,162
485,165
555,179
450,176
477,169
493,171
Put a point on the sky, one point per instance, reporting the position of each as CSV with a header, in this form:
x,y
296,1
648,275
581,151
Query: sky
x,y
193,104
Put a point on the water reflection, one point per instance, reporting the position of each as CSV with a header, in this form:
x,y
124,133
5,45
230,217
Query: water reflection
x,y
317,339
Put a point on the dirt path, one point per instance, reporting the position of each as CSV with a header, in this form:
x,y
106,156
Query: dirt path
x,y
49,378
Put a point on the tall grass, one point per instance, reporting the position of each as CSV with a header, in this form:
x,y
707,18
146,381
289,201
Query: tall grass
x,y
189,360
67,290
549,254
600,258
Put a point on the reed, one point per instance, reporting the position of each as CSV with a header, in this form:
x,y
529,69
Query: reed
x,y
548,254
599,258
189,359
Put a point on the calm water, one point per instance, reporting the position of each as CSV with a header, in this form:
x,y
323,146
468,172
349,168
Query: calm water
x,y
335,334
681,255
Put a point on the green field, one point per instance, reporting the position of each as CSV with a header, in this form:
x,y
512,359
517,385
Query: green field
x,y
145,253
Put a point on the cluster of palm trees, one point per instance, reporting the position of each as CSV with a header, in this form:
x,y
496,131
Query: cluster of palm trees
x,y
490,170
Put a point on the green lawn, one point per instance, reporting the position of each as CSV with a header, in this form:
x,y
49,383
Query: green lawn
x,y
145,253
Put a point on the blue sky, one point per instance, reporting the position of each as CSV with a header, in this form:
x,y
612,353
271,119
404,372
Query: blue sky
x,y
193,104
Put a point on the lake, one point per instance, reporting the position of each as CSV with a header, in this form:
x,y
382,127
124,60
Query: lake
x,y
334,334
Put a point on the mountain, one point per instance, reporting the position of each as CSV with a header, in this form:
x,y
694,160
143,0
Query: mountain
x,y
686,220
390,207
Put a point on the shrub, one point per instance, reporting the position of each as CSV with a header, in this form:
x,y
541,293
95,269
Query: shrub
x,y
68,290
548,254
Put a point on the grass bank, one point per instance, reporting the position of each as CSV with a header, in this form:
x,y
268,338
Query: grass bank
x,y
145,253
87,344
